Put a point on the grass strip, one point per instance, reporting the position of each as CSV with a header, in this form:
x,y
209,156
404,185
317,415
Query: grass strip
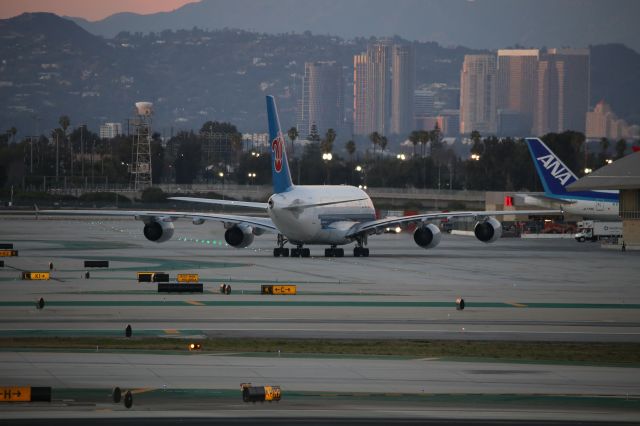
x,y
553,352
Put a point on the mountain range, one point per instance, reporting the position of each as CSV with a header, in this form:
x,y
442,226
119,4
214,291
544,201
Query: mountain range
x,y
478,24
50,66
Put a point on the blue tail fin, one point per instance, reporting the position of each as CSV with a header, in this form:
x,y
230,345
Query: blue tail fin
x,y
555,175
279,164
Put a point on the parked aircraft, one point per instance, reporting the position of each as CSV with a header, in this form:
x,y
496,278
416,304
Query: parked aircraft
x,y
303,215
555,176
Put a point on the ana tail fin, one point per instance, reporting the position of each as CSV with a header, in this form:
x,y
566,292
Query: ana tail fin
x,y
280,173
554,174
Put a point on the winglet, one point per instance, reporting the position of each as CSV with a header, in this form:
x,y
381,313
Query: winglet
x,y
279,165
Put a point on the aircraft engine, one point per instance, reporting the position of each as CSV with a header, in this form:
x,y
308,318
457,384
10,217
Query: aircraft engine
x,y
239,236
427,236
158,231
488,231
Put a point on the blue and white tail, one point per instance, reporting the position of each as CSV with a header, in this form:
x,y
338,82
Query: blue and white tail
x,y
280,173
555,175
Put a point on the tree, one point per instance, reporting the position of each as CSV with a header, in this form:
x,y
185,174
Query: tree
x,y
375,140
383,143
293,135
414,138
351,148
327,142
621,147
314,136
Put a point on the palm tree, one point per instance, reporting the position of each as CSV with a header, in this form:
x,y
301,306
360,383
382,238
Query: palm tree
x,y
383,144
414,138
329,138
375,140
424,138
351,148
293,135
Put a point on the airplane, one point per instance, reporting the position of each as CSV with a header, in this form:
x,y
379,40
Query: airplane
x,y
555,176
330,215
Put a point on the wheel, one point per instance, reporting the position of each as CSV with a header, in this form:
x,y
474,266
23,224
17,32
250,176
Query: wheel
x,y
365,252
581,239
339,252
295,252
328,252
357,252
276,252
306,252
285,252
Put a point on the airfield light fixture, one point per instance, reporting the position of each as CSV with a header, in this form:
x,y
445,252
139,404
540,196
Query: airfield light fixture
x,y
608,161
221,174
358,168
587,170
401,157
475,157
327,156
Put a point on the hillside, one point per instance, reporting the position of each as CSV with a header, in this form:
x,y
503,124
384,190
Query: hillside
x,y
50,67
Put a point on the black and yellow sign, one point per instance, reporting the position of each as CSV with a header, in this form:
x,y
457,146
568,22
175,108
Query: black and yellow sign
x,y
15,393
188,278
8,253
36,276
279,289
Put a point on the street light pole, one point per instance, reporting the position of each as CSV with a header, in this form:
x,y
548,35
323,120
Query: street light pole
x,y
57,153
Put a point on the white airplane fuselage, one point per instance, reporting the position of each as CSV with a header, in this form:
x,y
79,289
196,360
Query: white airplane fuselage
x,y
593,209
315,223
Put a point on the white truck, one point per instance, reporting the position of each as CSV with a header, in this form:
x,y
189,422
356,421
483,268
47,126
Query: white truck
x,y
593,230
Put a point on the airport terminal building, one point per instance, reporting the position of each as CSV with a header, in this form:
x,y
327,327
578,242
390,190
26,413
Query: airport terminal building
x,y
623,175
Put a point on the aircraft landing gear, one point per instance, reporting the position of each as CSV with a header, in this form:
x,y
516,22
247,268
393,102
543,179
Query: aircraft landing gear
x,y
359,250
334,252
281,250
300,252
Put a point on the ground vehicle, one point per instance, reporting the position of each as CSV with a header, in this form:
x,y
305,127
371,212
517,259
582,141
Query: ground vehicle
x,y
594,230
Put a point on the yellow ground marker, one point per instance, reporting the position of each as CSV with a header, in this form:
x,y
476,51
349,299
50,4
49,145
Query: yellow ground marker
x,y
194,303
171,331
517,305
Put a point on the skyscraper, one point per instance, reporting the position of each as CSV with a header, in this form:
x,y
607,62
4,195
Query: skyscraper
x,y
372,86
562,91
322,100
478,94
402,88
517,83
360,110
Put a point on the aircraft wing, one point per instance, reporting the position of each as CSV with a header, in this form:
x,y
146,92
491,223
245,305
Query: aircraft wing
x,y
375,225
246,204
263,223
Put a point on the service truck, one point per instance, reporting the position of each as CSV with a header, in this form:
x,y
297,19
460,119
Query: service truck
x,y
594,230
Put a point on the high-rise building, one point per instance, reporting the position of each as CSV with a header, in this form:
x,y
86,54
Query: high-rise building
x,y
403,78
360,109
423,103
372,89
517,83
602,122
110,130
562,94
322,101
478,94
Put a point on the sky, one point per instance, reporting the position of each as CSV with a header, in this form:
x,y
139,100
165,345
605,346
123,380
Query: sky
x,y
91,10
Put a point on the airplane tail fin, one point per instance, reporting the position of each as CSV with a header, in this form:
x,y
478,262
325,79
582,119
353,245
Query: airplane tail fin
x,y
554,174
280,173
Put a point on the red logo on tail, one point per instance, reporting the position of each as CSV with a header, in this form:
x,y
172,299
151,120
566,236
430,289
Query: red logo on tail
x,y
278,146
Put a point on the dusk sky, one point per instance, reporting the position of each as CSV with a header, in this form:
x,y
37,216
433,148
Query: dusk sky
x,y
91,10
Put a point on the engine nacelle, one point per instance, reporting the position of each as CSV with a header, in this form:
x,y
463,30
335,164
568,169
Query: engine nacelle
x,y
488,231
427,236
158,231
239,236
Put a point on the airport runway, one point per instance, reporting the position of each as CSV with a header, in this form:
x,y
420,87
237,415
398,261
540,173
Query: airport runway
x,y
514,289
